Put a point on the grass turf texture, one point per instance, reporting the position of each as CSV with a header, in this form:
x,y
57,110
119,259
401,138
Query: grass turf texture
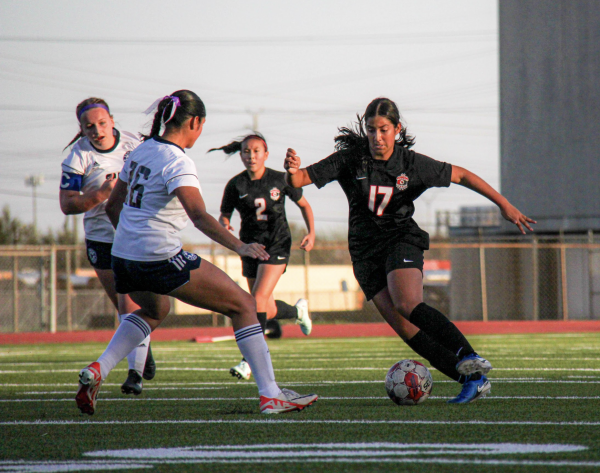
x,y
545,390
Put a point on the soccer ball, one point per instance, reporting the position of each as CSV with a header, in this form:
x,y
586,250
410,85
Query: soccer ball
x,y
408,382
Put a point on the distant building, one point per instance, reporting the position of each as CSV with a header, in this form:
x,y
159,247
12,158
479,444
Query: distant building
x,y
550,111
549,169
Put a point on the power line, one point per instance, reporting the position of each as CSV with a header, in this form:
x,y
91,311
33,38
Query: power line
x,y
316,40
28,194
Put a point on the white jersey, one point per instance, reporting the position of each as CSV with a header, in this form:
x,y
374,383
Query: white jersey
x,y
152,216
93,166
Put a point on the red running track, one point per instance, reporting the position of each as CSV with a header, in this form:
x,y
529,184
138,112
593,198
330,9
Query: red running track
x,y
206,334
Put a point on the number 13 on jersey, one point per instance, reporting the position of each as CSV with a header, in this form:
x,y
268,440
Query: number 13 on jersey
x,y
374,191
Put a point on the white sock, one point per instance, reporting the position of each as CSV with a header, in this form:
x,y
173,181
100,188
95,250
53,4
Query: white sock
x,y
136,359
251,343
131,332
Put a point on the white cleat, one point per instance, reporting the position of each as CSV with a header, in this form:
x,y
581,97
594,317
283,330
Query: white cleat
x,y
473,363
242,370
303,316
287,401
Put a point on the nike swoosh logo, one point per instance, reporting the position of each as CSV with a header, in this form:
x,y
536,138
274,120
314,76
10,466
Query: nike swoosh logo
x,y
281,257
359,178
408,260
242,196
480,388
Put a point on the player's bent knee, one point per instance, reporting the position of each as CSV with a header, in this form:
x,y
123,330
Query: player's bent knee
x,y
242,303
405,308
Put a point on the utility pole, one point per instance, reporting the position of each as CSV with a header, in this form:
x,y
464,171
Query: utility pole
x,y
34,181
255,114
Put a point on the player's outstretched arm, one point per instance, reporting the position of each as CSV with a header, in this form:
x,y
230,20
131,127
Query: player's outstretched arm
x,y
471,181
295,176
194,206
309,240
225,220
115,202
73,202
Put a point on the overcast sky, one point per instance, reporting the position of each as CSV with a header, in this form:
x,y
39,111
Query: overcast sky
x,y
298,70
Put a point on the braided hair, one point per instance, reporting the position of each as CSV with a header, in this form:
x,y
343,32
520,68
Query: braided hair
x,y
173,110
79,112
237,145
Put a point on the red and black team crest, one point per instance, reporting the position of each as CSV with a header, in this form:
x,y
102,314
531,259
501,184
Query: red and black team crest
x,y
402,182
275,193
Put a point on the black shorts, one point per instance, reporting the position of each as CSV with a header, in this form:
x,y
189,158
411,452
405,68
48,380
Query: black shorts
x,y
98,254
160,277
371,273
250,265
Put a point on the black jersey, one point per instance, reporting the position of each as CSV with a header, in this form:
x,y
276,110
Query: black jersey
x,y
380,196
261,204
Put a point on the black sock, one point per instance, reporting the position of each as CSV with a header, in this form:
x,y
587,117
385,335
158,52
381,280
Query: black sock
x,y
285,311
441,329
440,357
262,319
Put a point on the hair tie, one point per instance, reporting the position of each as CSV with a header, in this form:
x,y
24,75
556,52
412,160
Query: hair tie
x,y
90,106
176,103
154,106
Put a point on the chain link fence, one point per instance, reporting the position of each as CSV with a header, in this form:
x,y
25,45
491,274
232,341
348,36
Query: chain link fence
x,y
54,288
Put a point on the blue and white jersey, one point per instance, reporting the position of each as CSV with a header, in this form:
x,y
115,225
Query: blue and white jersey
x,y
152,216
86,169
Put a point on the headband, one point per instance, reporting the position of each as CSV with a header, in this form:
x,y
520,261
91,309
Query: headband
x,y
172,98
90,106
249,137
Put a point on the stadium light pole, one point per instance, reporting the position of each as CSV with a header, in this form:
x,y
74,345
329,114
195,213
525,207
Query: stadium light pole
x,y
255,114
34,181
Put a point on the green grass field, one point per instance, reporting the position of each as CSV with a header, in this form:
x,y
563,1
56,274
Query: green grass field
x,y
543,413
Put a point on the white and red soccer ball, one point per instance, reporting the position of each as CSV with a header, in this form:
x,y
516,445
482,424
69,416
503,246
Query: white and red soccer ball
x,y
408,382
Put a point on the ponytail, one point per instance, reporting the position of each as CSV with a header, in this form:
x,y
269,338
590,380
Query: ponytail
x,y
77,136
173,110
236,146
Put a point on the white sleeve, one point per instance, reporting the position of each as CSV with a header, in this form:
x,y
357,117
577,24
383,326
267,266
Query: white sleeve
x,y
75,163
179,173
125,171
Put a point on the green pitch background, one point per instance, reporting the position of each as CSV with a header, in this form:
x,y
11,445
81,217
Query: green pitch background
x,y
545,391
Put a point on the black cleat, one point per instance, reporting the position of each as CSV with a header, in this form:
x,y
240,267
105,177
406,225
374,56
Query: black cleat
x,y
133,384
150,366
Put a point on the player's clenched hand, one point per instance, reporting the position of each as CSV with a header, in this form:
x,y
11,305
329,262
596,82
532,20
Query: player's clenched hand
x,y
292,161
107,186
228,227
512,214
254,250
308,242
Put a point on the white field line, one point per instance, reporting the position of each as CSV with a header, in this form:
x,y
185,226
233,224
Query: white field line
x,y
306,421
304,357
104,465
321,398
239,384
383,368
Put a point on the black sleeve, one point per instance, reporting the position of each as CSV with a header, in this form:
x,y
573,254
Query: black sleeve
x,y
230,198
433,173
293,193
326,170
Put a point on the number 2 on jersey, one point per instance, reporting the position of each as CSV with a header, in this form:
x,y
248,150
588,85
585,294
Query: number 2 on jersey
x,y
261,206
387,195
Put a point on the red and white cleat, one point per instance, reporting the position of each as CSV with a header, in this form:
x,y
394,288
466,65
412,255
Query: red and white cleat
x,y
287,401
89,385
